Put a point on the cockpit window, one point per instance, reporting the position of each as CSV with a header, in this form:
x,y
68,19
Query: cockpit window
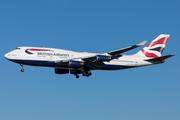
x,y
17,48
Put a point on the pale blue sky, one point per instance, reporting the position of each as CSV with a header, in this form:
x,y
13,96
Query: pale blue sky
x,y
146,93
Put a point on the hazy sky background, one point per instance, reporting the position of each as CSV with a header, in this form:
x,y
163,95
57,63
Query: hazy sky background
x,y
146,93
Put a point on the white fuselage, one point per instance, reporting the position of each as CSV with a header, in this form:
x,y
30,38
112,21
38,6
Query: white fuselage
x,y
47,57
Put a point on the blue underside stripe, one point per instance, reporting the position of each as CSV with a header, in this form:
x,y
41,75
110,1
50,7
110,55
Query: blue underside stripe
x,y
114,67
53,64
37,63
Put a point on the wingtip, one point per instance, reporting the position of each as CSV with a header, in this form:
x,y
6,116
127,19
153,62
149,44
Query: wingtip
x,y
142,43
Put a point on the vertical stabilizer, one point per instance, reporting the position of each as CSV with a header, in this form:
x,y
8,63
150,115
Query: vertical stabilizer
x,y
155,48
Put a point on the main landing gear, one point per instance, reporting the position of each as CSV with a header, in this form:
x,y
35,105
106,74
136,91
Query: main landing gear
x,y
77,76
22,70
87,74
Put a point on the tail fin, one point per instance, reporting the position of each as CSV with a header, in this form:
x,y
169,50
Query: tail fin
x,y
155,48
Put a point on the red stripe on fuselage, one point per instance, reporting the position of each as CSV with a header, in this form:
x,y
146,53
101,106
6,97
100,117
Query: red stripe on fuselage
x,y
34,49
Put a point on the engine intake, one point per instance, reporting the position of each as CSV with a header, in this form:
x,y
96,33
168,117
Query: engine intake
x,y
102,58
61,71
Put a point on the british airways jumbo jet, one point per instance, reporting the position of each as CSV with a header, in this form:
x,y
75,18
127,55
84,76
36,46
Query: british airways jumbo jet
x,y
65,61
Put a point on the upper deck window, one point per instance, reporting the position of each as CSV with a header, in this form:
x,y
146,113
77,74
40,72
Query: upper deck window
x,y
17,48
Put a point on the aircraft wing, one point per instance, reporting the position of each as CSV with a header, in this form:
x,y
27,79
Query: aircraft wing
x,y
89,62
84,59
62,62
116,52
92,62
89,58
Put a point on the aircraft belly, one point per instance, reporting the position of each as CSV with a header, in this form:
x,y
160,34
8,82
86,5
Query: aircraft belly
x,y
114,67
117,65
37,63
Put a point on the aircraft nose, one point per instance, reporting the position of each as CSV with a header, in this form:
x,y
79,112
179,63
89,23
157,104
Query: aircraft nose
x,y
6,55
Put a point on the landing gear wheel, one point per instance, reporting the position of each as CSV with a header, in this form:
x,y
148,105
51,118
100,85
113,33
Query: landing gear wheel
x,y
22,70
88,74
77,76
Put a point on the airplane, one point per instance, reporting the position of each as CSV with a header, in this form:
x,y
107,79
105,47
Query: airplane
x,y
65,61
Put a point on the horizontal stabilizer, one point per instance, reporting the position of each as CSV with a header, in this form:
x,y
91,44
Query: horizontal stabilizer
x,y
159,58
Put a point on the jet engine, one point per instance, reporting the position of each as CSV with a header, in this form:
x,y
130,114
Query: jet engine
x,y
102,58
75,64
61,71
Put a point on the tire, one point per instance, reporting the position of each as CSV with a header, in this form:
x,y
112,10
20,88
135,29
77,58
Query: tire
x,y
22,70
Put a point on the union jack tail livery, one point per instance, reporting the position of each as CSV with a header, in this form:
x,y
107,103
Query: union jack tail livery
x,y
155,48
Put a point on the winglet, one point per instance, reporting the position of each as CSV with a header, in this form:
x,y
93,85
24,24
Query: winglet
x,y
142,43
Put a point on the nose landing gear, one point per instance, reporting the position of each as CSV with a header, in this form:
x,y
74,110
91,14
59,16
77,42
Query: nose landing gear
x,y
22,70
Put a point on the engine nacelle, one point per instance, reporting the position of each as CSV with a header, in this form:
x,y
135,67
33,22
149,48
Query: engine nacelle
x,y
61,71
102,58
75,64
